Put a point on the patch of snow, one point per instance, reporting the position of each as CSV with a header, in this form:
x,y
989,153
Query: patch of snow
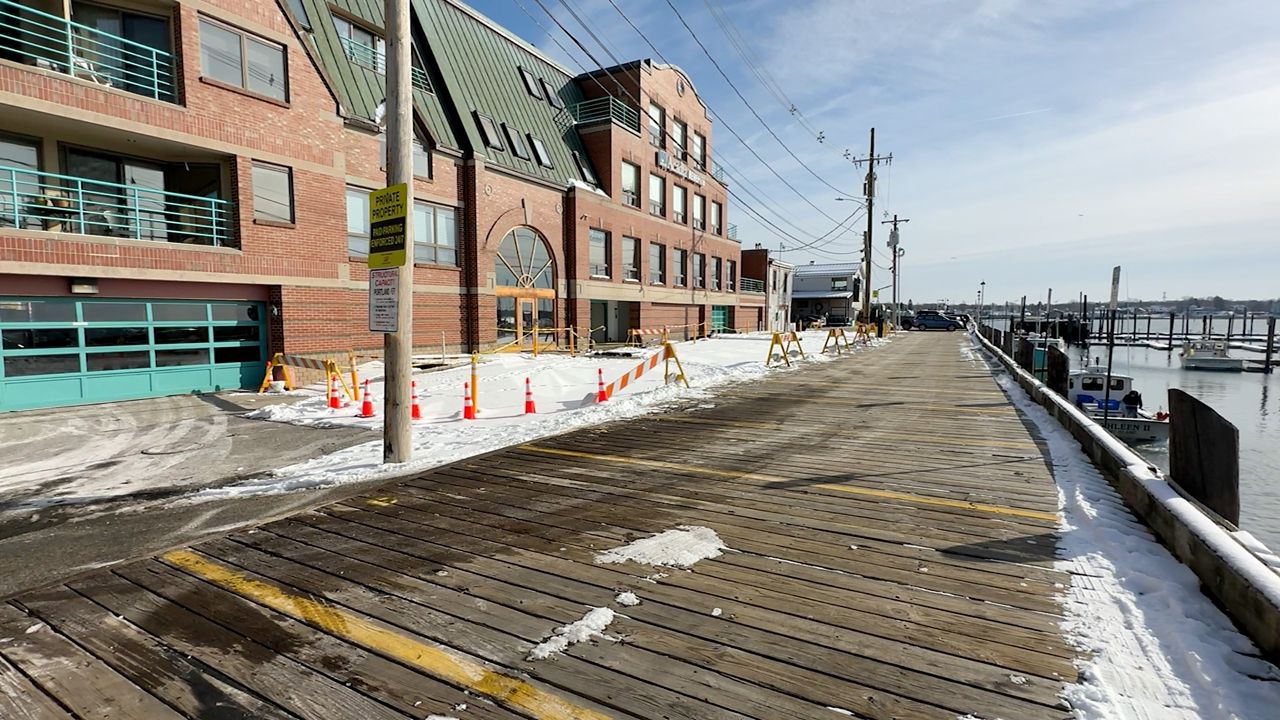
x,y
1018,679
35,628
591,625
654,578
441,717
716,612
1156,647
627,599
840,711
681,547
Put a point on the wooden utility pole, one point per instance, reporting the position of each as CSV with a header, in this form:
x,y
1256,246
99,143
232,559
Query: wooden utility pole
x,y
397,347
869,191
897,253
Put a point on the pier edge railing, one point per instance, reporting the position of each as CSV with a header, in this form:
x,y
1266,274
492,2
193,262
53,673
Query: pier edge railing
x,y
1237,580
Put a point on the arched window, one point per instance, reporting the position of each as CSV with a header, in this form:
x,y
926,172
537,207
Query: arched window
x,y
524,261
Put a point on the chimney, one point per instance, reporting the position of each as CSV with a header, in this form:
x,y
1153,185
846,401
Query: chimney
x,y
759,246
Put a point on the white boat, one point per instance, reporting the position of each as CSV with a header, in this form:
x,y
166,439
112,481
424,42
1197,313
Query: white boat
x,y
1207,354
1087,390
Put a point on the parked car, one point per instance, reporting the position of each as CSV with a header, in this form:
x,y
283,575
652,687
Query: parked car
x,y
935,321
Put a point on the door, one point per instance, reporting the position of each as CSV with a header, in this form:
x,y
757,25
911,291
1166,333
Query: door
x,y
526,319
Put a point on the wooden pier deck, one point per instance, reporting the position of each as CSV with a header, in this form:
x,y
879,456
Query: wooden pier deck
x,y
892,530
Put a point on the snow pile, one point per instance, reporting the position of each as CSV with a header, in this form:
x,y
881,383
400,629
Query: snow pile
x,y
563,389
681,547
591,625
1156,647
627,599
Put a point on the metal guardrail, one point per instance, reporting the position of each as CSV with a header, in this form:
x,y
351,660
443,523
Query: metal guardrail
x,y
376,60
752,286
717,172
56,43
608,108
732,231
61,203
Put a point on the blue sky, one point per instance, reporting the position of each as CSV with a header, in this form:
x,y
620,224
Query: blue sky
x,y
1036,143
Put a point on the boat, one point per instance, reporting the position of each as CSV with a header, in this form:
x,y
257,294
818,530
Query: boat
x,y
1209,354
1087,390
1041,345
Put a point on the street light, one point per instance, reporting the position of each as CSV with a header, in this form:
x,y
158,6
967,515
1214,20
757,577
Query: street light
x,y
982,290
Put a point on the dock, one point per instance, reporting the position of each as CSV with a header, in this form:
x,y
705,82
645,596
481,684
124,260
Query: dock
x,y
891,531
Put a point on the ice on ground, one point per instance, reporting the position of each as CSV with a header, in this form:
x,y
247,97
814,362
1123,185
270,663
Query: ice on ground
x,y
1154,645
681,547
716,612
627,599
840,711
591,625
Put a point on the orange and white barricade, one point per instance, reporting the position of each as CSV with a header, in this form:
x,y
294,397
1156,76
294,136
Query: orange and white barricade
x,y
667,355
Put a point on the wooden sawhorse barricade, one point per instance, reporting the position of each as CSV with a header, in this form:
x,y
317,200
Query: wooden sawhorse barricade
x,y
329,367
836,338
783,341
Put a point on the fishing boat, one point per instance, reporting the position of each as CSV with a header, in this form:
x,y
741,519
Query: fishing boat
x,y
1041,344
1087,390
1209,354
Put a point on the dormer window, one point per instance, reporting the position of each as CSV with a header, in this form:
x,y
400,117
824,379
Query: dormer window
x,y
361,45
531,84
584,168
552,96
540,152
489,132
515,142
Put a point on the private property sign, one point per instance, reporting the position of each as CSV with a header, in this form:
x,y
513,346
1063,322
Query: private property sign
x,y
384,286
387,210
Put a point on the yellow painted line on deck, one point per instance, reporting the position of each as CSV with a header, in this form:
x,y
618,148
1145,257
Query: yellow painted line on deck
x,y
436,661
867,492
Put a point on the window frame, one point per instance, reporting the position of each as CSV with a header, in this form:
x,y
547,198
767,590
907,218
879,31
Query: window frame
x,y
515,142
592,268
680,210
584,169
293,205
379,46
715,269
245,38
678,146
553,97
531,85
363,235
716,218
680,267
539,150
631,270
700,156
658,207
698,269
656,139
699,214
435,245
490,134
634,201
657,270
731,276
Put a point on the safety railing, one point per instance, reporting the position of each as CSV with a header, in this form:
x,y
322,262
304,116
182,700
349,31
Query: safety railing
x,y
376,60
35,200
58,44
606,109
732,231
544,339
752,286
717,172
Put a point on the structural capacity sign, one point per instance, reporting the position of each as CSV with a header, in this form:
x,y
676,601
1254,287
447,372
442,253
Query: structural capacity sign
x,y
384,300
387,210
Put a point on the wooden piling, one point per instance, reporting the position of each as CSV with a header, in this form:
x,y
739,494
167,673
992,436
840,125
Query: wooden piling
x,y
1172,319
1204,455
1271,343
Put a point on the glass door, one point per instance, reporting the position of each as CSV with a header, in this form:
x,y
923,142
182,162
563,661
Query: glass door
x,y
527,317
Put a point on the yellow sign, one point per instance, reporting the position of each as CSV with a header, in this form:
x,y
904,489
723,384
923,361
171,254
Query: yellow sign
x,y
387,210
875,294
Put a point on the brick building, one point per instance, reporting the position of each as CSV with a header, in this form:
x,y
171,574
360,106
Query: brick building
x,y
183,190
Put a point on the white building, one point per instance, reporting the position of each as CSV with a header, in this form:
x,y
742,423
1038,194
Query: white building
x,y
830,291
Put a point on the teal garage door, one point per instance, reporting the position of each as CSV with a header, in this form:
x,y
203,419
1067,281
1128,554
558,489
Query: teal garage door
x,y
64,351
719,317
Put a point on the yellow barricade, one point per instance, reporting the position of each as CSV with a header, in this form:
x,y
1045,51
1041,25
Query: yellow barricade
x,y
835,337
329,367
783,341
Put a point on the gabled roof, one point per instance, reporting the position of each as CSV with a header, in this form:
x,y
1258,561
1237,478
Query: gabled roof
x,y
479,65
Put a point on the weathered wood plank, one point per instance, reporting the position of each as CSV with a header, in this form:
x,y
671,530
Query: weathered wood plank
x,y
21,699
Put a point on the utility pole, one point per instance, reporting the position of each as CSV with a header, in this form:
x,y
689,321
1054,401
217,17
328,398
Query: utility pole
x,y
397,347
869,190
897,253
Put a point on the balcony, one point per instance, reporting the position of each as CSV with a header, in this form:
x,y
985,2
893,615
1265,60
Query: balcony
x,y
733,232
656,208
34,200
606,109
631,197
717,173
54,43
752,286
376,60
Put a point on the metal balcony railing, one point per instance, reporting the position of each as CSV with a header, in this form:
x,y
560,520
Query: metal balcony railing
x,y
717,173
732,233
55,43
752,286
376,60
606,109
60,203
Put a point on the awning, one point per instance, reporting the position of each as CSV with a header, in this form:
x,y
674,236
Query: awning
x,y
820,295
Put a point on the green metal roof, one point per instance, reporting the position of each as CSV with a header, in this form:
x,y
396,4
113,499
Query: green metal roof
x,y
479,63
360,88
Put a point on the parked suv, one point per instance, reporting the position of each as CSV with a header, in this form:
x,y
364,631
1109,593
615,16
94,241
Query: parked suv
x,y
934,320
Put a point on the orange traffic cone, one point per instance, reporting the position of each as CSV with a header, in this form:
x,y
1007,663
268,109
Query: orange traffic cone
x,y
529,409
334,403
415,412
600,393
366,407
468,412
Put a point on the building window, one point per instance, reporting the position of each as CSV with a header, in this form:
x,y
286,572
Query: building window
x,y
630,258
680,267
773,281
657,196
699,270
357,222
678,132
630,184
715,217
421,155
839,284
598,256
679,205
699,209
657,264
699,152
657,122
489,132
272,193
716,264
584,168
515,142
362,46
435,234
553,97
531,83
540,152
20,160
731,276
243,60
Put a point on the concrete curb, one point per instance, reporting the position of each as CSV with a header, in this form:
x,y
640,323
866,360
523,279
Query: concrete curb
x,y
1236,579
